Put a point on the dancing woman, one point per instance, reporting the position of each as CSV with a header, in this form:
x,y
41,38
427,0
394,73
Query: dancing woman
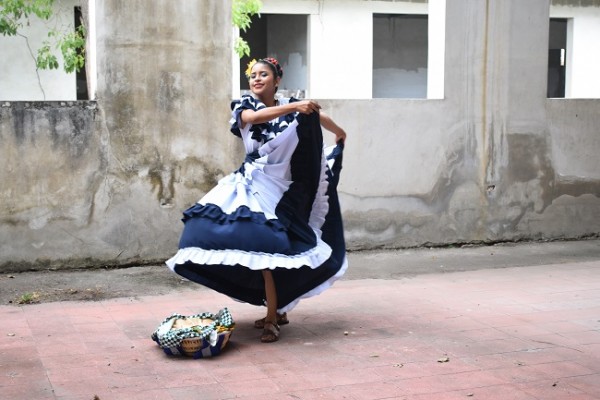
x,y
271,232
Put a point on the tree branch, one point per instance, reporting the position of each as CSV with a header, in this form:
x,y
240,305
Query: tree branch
x,y
37,72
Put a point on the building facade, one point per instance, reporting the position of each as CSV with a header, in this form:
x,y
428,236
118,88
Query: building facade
x,y
452,135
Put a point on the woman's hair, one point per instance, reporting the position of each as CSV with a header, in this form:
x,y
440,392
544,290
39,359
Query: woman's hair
x,y
273,64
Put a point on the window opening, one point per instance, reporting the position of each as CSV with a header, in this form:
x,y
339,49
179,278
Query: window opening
x,y
284,37
400,53
557,58
80,76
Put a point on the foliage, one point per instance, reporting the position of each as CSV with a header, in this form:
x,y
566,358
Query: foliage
x,y
16,14
28,298
241,17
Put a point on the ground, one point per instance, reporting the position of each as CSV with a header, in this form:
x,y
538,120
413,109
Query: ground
x,y
98,284
94,284
512,321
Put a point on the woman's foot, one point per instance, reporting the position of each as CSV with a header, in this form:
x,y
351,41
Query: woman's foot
x,y
282,319
270,332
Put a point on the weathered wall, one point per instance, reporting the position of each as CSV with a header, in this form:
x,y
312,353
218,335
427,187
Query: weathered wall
x,y
495,160
53,163
104,183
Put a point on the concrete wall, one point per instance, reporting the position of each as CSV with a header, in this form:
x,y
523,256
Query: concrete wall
x,y
53,165
495,160
104,183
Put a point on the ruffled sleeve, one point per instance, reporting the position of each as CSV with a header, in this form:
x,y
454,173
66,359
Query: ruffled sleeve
x,y
247,102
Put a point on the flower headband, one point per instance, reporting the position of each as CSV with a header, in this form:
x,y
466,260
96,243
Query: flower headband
x,y
268,60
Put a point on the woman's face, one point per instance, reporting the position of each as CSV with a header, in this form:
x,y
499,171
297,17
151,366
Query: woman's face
x,y
262,80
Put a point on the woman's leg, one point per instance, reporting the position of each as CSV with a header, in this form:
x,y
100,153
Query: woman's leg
x,y
271,329
271,296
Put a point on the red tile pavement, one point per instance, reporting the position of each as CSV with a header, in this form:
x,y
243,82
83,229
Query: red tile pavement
x,y
513,333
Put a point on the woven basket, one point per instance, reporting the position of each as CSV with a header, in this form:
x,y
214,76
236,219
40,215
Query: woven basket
x,y
200,348
197,330
197,347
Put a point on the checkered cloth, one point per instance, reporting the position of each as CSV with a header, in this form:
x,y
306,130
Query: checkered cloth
x,y
170,339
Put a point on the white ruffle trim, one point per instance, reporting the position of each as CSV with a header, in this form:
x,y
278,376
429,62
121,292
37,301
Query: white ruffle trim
x,y
253,260
319,289
320,206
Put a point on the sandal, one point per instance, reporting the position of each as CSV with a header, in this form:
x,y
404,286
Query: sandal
x,y
282,319
270,333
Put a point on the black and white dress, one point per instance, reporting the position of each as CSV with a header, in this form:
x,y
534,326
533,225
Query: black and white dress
x,y
279,211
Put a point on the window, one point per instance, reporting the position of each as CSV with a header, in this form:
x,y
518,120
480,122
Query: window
x,y
81,76
557,57
284,37
400,53
574,51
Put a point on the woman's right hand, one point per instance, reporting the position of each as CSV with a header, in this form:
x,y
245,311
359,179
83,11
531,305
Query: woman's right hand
x,y
307,106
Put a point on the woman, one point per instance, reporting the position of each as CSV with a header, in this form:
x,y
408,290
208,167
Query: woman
x,y
270,233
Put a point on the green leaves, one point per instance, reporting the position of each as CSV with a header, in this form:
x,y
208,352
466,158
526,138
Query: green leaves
x,y
72,47
242,48
242,11
7,27
45,59
16,14
241,17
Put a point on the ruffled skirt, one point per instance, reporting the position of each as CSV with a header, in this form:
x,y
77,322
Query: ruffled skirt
x,y
279,211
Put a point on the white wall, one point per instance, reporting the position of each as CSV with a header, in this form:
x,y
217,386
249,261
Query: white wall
x,y
583,50
341,51
437,49
341,44
19,81
90,56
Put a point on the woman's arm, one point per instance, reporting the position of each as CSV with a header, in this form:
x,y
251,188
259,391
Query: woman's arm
x,y
269,113
327,123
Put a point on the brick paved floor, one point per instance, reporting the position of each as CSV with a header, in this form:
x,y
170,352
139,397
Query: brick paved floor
x,y
516,333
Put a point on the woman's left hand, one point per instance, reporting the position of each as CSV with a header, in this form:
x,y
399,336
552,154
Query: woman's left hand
x,y
340,136
307,106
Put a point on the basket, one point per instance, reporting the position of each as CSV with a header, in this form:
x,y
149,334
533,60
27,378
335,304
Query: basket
x,y
198,336
199,348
